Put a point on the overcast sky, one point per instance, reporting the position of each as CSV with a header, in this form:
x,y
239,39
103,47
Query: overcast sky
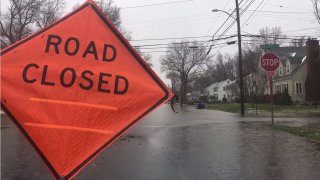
x,y
161,19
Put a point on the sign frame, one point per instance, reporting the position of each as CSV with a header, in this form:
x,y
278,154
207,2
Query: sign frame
x,y
133,52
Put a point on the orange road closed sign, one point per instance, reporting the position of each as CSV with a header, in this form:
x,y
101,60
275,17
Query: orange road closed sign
x,y
74,87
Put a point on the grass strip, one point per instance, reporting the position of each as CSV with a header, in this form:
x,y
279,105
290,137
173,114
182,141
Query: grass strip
x,y
310,133
235,108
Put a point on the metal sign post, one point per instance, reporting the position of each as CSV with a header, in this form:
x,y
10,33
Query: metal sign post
x,y
270,74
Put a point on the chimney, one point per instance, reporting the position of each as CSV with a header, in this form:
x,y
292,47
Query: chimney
x,y
312,86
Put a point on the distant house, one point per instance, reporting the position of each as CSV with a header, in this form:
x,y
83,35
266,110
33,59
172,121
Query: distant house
x,y
291,74
193,96
218,90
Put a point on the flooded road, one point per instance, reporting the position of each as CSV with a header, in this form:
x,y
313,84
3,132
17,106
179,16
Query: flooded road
x,y
192,144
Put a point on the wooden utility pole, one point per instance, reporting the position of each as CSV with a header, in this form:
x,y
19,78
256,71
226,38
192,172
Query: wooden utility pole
x,y
240,61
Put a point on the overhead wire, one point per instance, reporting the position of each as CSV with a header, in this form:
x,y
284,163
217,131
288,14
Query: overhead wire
x,y
251,15
229,27
218,17
230,15
168,51
154,46
157,4
161,44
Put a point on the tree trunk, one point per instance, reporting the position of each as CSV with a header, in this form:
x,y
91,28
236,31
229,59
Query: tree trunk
x,y
185,91
181,93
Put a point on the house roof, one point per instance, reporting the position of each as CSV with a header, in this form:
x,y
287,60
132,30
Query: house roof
x,y
212,85
288,76
296,59
291,53
217,84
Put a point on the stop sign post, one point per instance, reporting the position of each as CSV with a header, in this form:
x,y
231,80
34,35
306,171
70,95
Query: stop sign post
x,y
270,63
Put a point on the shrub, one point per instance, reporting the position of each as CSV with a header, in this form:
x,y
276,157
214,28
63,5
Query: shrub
x,y
282,98
224,99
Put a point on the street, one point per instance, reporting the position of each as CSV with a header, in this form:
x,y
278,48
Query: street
x,y
192,144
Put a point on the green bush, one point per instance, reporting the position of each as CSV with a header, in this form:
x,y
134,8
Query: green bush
x,y
282,98
224,99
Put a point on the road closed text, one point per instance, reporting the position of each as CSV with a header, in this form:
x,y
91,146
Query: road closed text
x,y
69,77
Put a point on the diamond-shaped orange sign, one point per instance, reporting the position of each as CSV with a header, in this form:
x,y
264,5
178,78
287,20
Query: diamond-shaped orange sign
x,y
74,87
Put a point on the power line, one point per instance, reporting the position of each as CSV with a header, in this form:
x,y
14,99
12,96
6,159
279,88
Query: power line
x,y
217,18
173,38
288,37
168,51
253,13
190,16
221,35
281,6
244,10
230,15
144,48
285,12
166,23
157,4
161,44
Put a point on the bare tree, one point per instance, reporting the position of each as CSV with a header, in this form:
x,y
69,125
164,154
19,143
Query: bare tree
x,y
187,60
147,57
175,81
50,11
111,10
22,15
299,42
113,13
221,68
316,9
272,35
224,68
17,22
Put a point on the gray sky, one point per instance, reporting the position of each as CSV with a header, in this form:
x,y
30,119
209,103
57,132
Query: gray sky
x,y
190,18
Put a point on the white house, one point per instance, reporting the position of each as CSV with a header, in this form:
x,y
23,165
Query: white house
x,y
218,90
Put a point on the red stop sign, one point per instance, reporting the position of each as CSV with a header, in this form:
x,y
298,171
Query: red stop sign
x,y
270,62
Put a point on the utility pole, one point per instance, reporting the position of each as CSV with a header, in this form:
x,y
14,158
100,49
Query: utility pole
x,y
240,61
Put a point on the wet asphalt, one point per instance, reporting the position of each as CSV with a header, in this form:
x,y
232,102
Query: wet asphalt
x,y
189,145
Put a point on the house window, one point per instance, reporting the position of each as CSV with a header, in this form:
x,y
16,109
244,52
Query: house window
x,y
224,88
278,88
284,86
267,90
215,89
288,68
299,88
280,70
